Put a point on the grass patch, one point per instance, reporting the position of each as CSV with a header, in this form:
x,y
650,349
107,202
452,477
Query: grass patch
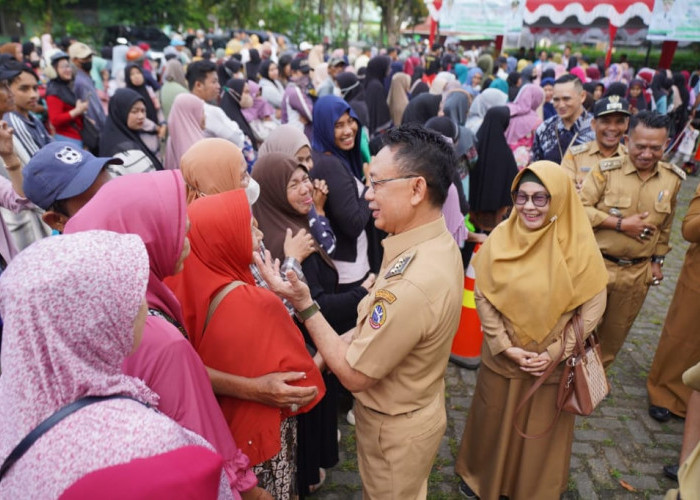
x,y
608,442
454,446
616,473
349,465
623,418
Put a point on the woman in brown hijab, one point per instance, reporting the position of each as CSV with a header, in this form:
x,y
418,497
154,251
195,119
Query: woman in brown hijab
x,y
533,272
283,207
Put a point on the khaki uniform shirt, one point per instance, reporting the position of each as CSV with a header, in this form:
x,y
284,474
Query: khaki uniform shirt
x,y
408,320
615,183
580,159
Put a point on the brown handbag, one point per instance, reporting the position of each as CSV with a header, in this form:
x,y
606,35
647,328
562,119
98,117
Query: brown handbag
x,y
583,384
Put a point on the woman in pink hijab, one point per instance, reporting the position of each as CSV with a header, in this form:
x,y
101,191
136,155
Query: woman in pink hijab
x,y
185,126
73,308
153,206
524,119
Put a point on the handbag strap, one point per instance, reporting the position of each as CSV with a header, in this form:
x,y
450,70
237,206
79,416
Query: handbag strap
x,y
48,423
218,298
540,380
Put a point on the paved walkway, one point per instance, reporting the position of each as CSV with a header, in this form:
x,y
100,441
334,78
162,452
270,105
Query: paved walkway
x,y
619,442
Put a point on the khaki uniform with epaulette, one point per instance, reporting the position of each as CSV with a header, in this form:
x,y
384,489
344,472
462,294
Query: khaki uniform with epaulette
x,y
579,160
615,188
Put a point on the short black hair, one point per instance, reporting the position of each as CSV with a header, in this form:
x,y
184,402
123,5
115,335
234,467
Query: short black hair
x,y
570,78
198,71
650,119
423,152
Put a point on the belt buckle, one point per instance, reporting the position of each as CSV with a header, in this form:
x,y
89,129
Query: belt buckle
x,y
624,262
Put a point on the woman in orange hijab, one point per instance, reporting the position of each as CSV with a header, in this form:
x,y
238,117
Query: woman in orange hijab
x,y
248,334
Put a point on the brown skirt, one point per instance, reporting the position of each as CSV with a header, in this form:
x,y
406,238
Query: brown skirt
x,y
494,460
678,350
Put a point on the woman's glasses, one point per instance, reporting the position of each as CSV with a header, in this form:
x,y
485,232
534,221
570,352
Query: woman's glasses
x,y
538,199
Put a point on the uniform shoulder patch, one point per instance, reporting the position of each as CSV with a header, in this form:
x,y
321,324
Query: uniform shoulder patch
x,y
675,169
385,295
377,317
580,148
400,266
610,164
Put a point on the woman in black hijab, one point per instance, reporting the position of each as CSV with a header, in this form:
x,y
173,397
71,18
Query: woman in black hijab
x,y
234,98
228,69
124,135
421,109
134,79
353,92
491,179
252,67
375,95
616,88
514,82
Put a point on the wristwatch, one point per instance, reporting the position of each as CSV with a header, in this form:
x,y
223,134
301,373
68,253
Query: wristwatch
x,y
658,259
302,316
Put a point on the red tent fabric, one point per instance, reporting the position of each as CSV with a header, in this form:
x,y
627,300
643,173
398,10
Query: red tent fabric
x,y
618,12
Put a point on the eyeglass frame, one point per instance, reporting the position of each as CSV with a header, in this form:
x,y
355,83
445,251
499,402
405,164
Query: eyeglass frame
x,y
530,197
374,183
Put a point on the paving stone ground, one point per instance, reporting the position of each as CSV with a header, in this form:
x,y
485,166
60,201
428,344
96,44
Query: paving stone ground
x,y
618,442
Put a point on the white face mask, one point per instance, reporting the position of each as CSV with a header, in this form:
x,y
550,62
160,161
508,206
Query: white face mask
x,y
252,191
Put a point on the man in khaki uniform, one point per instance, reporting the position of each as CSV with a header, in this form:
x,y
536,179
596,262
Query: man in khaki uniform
x,y
630,202
610,122
394,361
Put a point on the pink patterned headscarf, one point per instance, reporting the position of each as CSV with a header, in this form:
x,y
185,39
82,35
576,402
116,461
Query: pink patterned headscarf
x,y
69,304
523,113
184,128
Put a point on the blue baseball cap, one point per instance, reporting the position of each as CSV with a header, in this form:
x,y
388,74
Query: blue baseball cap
x,y
59,171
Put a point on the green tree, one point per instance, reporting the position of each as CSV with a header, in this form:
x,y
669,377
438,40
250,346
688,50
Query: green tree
x,y
395,12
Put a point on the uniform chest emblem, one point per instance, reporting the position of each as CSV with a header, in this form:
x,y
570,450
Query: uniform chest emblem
x,y
378,315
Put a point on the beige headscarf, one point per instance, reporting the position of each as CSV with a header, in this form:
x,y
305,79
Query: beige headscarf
x,y
284,139
398,96
211,166
534,276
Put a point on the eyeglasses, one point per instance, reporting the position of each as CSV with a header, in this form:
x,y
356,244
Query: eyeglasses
x,y
374,183
538,199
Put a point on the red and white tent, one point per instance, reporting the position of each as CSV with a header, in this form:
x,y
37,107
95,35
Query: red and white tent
x,y
618,13
564,14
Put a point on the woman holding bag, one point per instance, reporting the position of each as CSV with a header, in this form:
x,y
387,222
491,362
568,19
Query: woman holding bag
x,y
533,272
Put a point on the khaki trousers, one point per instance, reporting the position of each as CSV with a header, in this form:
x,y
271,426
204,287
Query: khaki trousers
x,y
627,289
395,453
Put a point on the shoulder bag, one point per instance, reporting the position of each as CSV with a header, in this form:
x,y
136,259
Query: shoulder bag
x,y
583,384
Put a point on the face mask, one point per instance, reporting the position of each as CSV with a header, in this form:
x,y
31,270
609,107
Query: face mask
x,y
252,191
246,101
87,66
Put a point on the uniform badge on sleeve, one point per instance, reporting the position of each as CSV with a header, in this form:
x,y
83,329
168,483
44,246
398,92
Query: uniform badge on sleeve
x,y
378,315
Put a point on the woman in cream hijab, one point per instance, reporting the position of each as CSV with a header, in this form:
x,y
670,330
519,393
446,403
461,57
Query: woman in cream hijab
x,y
533,272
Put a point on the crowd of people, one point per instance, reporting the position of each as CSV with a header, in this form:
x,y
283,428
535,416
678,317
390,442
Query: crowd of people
x,y
292,231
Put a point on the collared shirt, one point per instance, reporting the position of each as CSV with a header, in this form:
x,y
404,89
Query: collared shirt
x,y
406,323
552,139
581,159
30,132
84,89
615,184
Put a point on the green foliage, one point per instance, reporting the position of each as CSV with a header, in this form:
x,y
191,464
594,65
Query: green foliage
x,y
150,13
297,27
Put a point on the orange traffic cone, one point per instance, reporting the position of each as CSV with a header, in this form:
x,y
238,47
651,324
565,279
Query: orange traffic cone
x,y
466,346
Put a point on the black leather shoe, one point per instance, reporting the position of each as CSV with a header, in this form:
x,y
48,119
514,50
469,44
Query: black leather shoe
x,y
659,413
671,472
466,491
